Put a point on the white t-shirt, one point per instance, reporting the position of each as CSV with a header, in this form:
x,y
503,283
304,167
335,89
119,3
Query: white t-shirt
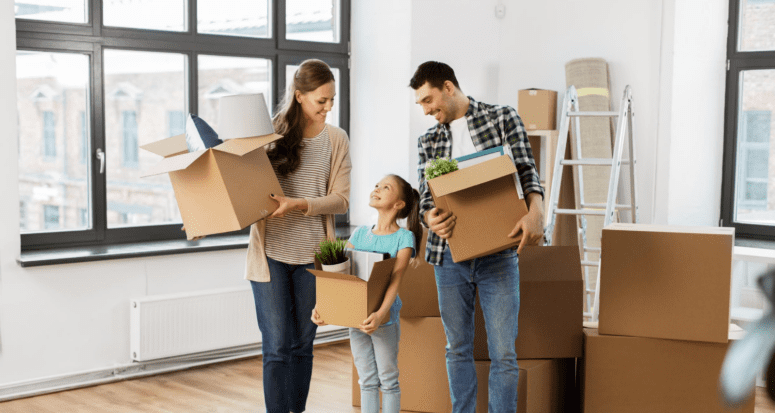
x,y
462,143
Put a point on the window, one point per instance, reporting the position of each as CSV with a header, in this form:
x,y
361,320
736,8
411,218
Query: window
x,y
748,187
22,215
128,74
129,128
49,135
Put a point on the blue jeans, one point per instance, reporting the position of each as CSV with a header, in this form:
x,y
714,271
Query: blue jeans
x,y
376,358
496,276
283,309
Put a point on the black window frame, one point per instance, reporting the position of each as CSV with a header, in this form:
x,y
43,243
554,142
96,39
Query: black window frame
x,y
737,63
92,38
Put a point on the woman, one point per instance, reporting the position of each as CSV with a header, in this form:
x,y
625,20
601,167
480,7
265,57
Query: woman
x,y
312,163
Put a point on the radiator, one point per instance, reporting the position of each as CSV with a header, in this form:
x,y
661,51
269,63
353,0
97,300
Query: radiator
x,y
180,324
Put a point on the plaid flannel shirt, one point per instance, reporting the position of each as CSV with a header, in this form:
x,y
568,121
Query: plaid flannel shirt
x,y
490,126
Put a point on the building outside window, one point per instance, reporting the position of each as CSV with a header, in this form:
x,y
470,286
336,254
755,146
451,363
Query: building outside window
x,y
102,97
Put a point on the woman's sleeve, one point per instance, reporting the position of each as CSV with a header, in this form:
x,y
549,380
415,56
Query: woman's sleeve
x,y
338,200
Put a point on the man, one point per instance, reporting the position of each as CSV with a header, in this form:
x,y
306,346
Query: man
x,y
466,126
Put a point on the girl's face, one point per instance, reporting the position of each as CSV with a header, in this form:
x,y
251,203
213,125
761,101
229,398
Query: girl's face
x,y
386,195
316,104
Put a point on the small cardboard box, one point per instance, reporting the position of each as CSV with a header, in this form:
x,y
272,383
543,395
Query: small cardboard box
x,y
538,109
551,306
648,375
224,188
347,300
545,386
484,199
419,296
422,367
667,282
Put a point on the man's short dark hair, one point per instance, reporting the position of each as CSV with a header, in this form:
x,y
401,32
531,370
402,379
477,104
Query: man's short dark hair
x,y
435,73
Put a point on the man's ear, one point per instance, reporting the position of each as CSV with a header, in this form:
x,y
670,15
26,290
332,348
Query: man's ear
x,y
449,87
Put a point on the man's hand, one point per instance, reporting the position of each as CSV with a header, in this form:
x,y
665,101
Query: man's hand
x,y
286,205
531,226
441,223
316,318
372,323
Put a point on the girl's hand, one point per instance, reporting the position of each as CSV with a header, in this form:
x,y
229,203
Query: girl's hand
x,y
372,323
286,205
316,318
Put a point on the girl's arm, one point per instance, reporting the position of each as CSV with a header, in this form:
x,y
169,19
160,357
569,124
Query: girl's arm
x,y
372,323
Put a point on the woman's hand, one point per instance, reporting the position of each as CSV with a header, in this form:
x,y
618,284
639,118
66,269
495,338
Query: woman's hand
x,y
183,228
286,205
316,318
372,323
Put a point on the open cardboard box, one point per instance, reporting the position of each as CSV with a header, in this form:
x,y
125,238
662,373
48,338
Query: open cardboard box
x,y
224,188
346,300
485,201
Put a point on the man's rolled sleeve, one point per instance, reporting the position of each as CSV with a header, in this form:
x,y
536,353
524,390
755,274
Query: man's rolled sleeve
x,y
426,200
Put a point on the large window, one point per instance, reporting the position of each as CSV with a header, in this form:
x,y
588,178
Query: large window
x,y
97,79
748,189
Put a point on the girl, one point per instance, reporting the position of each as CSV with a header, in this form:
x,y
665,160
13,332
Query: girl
x,y
375,345
312,163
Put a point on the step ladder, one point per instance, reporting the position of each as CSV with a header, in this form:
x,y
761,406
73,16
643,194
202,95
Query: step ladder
x,y
611,209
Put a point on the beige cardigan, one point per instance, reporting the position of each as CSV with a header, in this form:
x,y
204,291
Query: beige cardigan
x,y
336,201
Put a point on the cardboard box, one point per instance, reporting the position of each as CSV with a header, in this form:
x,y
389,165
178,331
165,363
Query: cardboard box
x,y
422,367
484,199
551,306
419,296
648,375
666,281
538,109
346,300
545,386
224,188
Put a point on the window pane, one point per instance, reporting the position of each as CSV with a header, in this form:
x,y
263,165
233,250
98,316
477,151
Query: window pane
x,y
234,17
52,96
756,25
312,20
169,15
221,76
65,11
333,116
141,90
755,179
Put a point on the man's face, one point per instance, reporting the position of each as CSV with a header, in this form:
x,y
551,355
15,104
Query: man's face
x,y
436,102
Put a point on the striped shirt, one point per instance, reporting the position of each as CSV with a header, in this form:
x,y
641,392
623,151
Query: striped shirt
x,y
294,238
490,126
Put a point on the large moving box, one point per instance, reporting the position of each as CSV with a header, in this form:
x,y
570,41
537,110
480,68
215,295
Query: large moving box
x,y
545,386
346,300
422,367
667,282
537,108
485,201
648,375
224,188
551,306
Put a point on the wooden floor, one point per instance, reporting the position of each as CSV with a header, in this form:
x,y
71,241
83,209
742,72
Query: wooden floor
x,y
226,387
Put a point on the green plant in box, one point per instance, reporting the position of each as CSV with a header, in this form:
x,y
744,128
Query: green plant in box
x,y
439,166
332,251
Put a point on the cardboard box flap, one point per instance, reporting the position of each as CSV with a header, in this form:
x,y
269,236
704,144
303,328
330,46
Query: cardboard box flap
x,y
383,269
565,264
174,163
168,147
336,276
623,226
472,176
734,333
242,146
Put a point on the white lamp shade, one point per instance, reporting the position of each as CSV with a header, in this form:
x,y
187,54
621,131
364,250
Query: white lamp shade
x,y
243,116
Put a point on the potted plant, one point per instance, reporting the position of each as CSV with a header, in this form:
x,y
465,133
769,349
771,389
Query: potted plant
x,y
439,166
332,256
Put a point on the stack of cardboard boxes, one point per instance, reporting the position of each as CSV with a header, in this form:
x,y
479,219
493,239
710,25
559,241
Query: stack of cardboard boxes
x,y
550,337
664,321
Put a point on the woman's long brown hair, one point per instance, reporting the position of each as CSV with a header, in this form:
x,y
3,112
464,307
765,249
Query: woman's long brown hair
x,y
289,120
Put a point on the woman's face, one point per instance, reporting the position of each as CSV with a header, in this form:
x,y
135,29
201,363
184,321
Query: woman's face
x,y
316,104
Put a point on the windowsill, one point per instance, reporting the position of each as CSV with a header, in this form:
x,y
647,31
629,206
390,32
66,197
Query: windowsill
x,y
140,249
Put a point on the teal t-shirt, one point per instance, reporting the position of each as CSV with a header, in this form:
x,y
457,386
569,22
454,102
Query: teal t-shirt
x,y
365,240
